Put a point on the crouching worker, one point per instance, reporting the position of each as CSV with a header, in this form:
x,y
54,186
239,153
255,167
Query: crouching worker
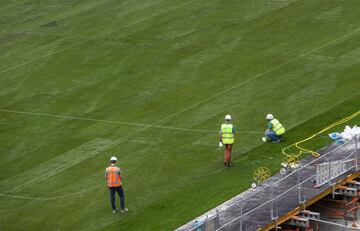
x,y
113,178
274,130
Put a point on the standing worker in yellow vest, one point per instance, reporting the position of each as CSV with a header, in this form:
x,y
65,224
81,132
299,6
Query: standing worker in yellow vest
x,y
227,137
274,131
113,178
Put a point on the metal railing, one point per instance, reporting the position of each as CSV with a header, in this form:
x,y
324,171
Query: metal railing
x,y
276,198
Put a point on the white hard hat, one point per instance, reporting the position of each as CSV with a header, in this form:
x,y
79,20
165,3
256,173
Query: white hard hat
x,y
113,159
228,117
269,117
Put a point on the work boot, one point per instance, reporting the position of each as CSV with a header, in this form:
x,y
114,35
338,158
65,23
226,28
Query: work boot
x,y
114,211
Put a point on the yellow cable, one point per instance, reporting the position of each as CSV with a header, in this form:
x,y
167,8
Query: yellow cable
x,y
316,154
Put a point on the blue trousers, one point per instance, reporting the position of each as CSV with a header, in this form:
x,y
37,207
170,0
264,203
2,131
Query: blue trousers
x,y
120,192
272,135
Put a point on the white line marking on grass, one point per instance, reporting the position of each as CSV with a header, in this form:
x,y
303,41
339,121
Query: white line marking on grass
x,y
93,38
118,122
235,86
67,164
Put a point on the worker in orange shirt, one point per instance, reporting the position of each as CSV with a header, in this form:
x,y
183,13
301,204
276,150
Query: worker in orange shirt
x,y
113,179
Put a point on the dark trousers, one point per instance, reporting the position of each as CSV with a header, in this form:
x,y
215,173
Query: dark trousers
x,y
120,192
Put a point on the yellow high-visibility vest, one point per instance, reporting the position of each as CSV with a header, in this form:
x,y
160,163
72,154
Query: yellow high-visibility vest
x,y
277,127
227,135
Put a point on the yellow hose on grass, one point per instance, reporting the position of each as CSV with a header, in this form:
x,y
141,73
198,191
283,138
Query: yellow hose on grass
x,y
304,150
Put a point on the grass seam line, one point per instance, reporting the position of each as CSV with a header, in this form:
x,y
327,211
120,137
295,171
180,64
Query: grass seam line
x,y
52,198
220,93
93,38
348,35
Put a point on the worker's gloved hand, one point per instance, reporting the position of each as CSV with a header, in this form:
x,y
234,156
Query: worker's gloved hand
x,y
220,144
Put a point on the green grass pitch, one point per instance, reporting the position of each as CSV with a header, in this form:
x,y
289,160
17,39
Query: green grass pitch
x,y
81,80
